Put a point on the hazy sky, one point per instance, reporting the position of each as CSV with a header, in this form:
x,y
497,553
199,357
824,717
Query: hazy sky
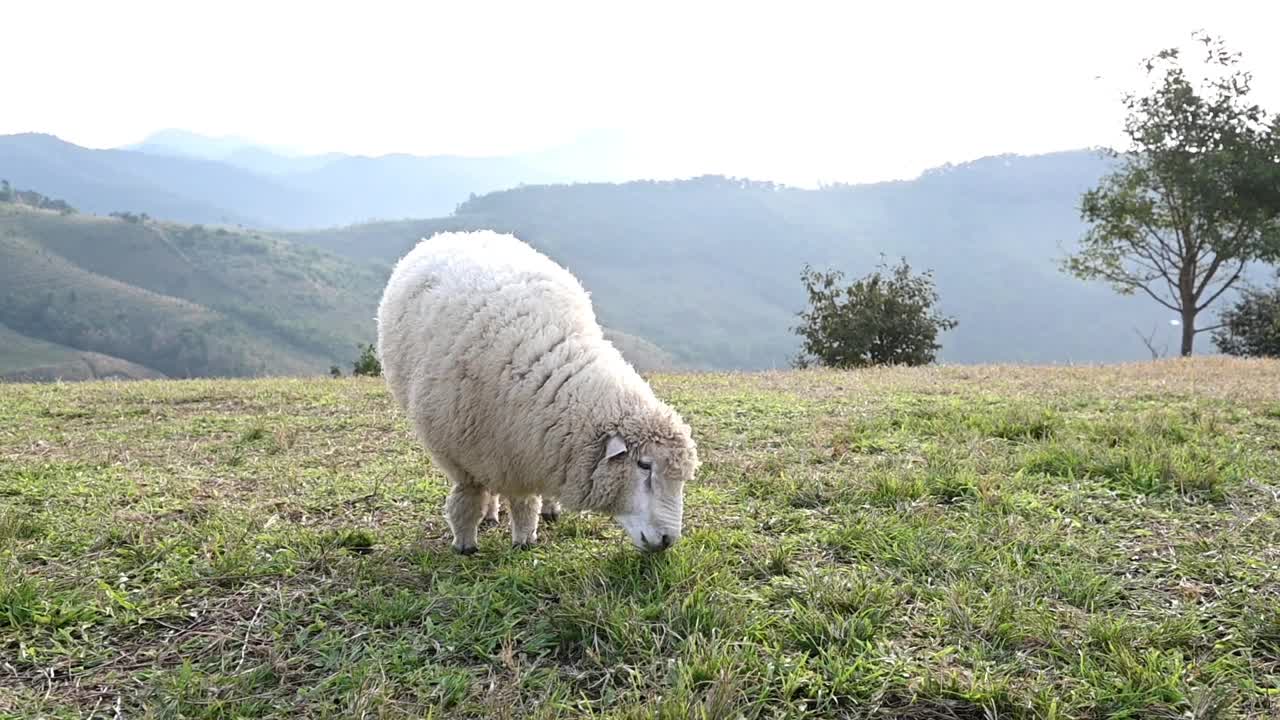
x,y
792,91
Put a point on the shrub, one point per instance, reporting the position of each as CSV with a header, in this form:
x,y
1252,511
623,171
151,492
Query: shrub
x,y
878,320
1251,327
367,363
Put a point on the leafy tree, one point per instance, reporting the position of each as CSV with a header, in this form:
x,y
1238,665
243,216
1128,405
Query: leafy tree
x,y
1194,201
367,363
881,319
6,191
1251,327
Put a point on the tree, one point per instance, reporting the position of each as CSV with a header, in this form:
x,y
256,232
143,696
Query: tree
x,y
880,319
1194,200
1251,327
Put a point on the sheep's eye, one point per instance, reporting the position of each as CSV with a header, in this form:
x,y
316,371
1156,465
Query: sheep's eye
x,y
644,464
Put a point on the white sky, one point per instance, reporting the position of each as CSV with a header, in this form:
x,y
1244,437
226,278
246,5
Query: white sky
x,y
793,91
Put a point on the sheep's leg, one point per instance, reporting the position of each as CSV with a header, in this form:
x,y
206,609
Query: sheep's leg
x,y
524,519
464,507
492,501
550,508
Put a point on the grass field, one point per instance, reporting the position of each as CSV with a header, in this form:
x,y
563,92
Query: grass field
x,y
959,542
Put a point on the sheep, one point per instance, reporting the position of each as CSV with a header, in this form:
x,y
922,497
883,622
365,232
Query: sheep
x,y
494,352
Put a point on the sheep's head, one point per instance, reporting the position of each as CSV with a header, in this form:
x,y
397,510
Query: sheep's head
x,y
650,476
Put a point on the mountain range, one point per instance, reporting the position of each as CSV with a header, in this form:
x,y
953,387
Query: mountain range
x,y
698,272
189,178
709,268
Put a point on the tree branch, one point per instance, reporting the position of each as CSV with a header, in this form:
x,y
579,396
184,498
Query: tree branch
x,y
1129,280
1149,341
1167,251
1241,230
1225,286
1209,272
1165,258
1152,270
1178,221
1157,298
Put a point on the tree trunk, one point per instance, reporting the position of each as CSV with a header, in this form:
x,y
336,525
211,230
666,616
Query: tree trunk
x,y
1188,330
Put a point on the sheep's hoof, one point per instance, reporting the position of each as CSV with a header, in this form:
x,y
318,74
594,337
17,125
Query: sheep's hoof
x,y
488,522
465,550
523,545
550,515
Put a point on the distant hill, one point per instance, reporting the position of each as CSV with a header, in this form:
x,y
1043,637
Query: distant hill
x,y
599,155
279,194
234,151
84,296
24,359
181,300
709,268
185,177
173,188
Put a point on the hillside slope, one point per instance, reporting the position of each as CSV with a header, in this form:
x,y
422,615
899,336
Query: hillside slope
x,y
709,268
184,301
27,359
17,351
148,297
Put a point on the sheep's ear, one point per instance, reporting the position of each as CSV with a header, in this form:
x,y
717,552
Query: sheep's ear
x,y
615,447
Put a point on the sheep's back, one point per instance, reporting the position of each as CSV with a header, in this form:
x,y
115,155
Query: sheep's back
x,y
477,334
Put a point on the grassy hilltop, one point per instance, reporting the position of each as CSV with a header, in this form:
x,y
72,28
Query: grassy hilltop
x,y
956,542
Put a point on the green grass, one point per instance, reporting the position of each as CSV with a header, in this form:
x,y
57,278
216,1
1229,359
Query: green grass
x,y
930,543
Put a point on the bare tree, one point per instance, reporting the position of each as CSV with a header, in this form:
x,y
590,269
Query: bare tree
x,y
1150,342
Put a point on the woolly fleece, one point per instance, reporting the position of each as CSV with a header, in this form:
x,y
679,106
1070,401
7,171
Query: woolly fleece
x,y
494,352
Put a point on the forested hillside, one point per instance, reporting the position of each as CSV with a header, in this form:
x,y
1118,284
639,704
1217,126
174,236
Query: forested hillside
x,y
84,296
709,268
181,300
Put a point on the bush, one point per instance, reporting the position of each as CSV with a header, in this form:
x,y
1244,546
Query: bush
x,y
878,320
367,363
1251,327
129,217
31,198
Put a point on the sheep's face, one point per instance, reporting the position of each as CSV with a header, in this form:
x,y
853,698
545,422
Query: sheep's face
x,y
651,478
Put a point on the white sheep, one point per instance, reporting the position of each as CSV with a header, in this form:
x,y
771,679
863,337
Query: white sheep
x,y
494,352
